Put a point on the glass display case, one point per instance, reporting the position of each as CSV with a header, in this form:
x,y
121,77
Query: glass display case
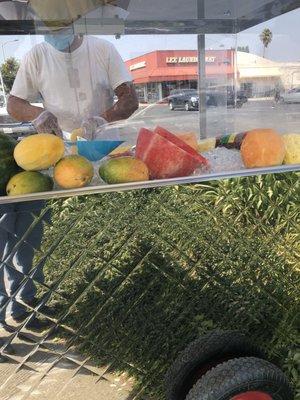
x,y
149,294
234,128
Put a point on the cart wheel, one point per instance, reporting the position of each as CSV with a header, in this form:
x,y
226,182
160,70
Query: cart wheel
x,y
202,355
246,378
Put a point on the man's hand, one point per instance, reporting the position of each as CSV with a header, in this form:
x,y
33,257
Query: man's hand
x,y
92,126
43,121
46,122
126,105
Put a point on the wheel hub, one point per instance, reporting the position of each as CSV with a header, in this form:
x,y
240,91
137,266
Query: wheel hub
x,y
252,396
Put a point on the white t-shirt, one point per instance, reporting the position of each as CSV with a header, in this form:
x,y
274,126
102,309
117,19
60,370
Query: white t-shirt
x,y
73,86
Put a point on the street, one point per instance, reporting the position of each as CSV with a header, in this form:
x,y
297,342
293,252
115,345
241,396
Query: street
x,y
285,118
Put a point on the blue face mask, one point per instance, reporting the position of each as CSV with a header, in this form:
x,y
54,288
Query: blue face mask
x,y
60,41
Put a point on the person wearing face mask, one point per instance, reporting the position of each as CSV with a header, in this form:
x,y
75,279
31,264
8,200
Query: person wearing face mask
x,y
77,77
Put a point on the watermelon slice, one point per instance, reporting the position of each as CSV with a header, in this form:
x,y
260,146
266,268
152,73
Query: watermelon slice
x,y
166,155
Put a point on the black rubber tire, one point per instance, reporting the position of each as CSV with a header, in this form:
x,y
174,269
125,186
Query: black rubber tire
x,y
171,106
239,376
206,352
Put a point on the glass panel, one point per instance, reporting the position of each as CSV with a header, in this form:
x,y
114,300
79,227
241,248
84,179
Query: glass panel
x,y
124,110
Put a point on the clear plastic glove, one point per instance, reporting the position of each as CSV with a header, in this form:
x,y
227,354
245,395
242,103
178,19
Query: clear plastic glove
x,y
92,127
47,122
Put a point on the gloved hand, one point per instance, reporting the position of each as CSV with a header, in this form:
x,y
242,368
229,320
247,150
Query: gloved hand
x,y
46,122
92,127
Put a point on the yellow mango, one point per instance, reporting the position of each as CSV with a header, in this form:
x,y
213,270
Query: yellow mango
x,y
123,170
38,152
73,172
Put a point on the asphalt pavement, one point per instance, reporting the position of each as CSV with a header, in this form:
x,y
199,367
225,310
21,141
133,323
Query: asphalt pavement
x,y
285,118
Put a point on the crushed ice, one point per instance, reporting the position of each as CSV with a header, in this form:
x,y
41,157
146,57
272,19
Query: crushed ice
x,y
222,159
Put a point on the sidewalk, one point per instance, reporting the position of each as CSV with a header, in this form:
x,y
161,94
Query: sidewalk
x,y
50,372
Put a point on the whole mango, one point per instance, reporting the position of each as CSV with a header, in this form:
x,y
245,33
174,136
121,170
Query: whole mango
x,y
73,172
29,182
8,166
38,152
123,170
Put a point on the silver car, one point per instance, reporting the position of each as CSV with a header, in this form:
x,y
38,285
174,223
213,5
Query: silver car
x,y
291,96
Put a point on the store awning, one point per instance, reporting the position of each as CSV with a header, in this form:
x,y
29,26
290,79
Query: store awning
x,y
168,74
179,74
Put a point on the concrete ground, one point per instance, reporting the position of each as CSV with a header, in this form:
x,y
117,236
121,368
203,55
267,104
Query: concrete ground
x,y
53,372
221,120
261,113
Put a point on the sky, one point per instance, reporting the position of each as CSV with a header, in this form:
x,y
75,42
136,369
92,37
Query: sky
x,y
284,47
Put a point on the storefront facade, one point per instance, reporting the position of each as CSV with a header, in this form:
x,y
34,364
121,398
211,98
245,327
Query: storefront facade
x,y
157,73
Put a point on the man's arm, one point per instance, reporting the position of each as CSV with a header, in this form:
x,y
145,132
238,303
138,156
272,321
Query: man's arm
x,y
126,105
43,120
22,110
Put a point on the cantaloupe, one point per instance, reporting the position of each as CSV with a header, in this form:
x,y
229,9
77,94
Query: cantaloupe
x,y
38,152
190,139
262,148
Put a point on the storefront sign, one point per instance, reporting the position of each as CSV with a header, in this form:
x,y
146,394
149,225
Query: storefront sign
x,y
188,60
139,65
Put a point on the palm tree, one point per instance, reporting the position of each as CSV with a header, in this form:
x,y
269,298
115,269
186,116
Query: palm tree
x,y
266,37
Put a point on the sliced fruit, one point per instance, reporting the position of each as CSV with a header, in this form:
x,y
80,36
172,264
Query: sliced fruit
x,y
122,151
190,139
76,133
206,145
166,155
292,146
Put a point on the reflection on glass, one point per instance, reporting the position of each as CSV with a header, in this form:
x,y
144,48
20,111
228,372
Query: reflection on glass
x,y
114,278
109,97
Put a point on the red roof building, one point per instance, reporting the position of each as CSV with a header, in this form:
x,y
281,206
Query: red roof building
x,y
155,74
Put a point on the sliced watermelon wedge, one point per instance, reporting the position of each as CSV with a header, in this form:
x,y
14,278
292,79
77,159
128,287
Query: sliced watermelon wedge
x,y
166,155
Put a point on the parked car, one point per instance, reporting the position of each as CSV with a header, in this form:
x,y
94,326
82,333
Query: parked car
x,y
291,96
189,99
241,98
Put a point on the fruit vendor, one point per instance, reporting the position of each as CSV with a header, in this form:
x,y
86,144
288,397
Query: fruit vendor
x,y
76,77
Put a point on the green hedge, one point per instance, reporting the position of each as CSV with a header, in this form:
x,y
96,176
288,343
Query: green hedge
x,y
139,275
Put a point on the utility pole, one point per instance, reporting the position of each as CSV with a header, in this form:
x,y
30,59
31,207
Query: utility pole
x,y
202,73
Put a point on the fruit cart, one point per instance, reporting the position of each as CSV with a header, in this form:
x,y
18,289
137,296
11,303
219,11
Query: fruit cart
x,y
61,303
